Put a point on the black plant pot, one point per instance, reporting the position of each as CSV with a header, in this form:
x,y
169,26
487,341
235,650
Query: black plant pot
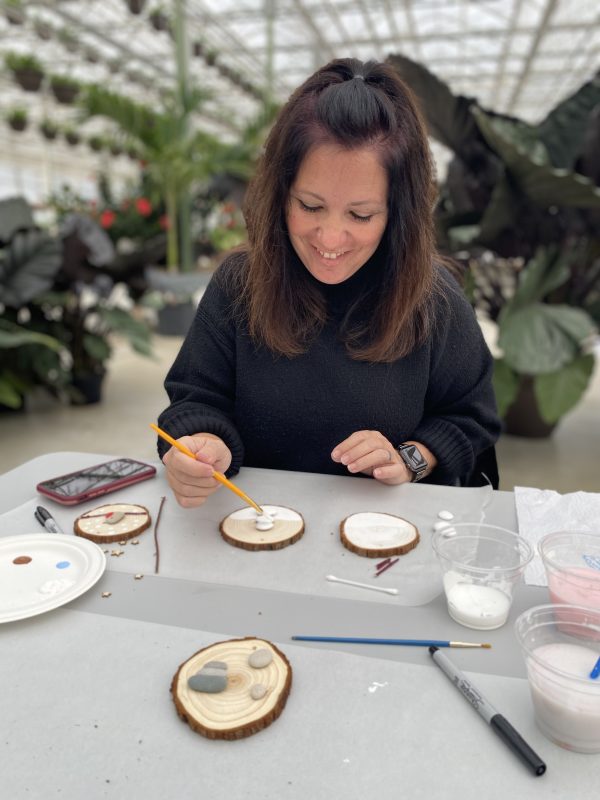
x,y
523,417
18,125
65,94
88,388
29,79
175,319
136,6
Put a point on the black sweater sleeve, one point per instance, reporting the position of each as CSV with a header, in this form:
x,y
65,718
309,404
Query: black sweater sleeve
x,y
201,381
460,419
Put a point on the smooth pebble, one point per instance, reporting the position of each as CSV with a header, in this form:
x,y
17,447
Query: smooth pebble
x,y
439,526
445,514
258,691
449,531
215,665
210,684
260,658
115,517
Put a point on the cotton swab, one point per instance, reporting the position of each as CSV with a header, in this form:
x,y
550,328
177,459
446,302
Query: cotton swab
x,y
333,579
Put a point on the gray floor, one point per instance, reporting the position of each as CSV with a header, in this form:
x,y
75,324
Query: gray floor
x,y
133,396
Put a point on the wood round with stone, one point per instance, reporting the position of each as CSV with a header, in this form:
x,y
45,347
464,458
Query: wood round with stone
x,y
113,522
375,534
239,710
243,528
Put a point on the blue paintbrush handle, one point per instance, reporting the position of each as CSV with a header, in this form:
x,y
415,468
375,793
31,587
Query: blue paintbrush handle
x,y
358,640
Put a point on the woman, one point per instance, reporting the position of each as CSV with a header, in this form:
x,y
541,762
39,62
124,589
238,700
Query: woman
x,y
335,342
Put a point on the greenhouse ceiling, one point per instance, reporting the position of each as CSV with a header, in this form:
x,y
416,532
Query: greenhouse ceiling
x,y
516,56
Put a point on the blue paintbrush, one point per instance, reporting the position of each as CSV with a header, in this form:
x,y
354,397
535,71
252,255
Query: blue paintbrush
x,y
408,642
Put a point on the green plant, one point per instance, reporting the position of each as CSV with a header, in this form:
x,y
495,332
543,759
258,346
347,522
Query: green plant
x,y
64,89
528,194
17,118
49,129
22,61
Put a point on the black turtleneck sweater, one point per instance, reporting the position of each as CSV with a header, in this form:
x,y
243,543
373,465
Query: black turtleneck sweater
x,y
289,413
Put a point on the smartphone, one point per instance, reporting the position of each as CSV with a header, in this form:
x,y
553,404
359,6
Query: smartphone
x,y
76,487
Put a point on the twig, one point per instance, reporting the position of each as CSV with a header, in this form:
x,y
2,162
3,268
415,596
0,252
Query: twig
x,y
157,560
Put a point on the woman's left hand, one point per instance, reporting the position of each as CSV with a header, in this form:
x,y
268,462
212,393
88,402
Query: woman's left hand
x,y
370,452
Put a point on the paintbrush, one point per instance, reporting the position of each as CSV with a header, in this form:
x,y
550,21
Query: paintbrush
x,y
409,642
217,475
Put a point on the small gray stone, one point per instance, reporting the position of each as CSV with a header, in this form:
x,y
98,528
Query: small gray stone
x,y
215,665
445,514
211,684
260,658
213,671
258,691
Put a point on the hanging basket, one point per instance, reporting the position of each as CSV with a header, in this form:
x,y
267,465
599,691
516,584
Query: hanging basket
x,y
64,93
17,124
136,6
72,138
49,132
29,80
159,21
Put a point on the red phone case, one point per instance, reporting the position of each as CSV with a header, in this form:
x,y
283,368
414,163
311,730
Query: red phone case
x,y
113,486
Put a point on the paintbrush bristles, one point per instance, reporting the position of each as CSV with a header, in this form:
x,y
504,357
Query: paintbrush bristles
x,y
470,644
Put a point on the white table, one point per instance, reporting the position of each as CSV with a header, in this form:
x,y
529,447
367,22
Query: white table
x,y
86,709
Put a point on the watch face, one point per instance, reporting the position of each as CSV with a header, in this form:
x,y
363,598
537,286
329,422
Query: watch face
x,y
412,457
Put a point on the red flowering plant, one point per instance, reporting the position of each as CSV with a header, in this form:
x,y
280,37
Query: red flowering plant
x,y
130,221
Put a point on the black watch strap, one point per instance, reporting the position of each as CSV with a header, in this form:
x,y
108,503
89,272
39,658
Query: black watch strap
x,y
414,460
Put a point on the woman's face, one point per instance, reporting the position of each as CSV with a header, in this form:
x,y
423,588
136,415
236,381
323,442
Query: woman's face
x,y
337,210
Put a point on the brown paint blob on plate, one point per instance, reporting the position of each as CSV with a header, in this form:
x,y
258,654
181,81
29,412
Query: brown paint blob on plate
x,y
22,560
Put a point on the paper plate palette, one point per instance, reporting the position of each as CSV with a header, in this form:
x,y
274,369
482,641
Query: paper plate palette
x,y
42,571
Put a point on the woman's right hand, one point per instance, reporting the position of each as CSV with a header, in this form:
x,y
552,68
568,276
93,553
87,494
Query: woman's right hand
x,y
191,480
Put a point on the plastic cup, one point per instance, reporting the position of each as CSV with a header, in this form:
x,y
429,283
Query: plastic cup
x,y
481,565
559,660
572,564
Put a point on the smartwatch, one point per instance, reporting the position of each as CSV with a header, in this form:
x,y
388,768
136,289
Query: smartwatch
x,y
413,458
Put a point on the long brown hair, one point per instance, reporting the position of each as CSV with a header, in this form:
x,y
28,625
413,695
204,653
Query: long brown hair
x,y
353,104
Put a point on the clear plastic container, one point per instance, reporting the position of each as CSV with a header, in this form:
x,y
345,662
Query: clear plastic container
x,y
481,565
561,645
572,564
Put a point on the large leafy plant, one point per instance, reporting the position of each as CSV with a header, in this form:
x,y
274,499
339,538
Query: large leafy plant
x,y
529,194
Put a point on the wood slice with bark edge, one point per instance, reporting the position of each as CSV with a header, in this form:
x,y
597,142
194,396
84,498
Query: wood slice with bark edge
x,y
379,551
233,714
92,525
242,531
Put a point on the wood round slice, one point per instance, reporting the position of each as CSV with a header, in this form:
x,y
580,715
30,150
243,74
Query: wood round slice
x,y
239,528
233,714
96,525
374,534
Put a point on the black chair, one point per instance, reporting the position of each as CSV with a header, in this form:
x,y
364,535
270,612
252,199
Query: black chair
x,y
485,464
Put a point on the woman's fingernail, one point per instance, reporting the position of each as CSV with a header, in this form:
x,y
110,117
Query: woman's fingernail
x,y
335,454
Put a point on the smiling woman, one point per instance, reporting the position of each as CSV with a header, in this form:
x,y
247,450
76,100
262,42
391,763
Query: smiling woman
x,y
335,341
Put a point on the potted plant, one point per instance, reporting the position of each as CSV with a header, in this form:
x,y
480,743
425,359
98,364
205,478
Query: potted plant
x,y
96,143
43,30
48,129
27,71
17,119
82,314
526,192
159,19
136,6
68,39
72,137
64,89
14,12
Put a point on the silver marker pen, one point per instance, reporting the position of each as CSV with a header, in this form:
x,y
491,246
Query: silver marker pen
x,y
500,725
46,519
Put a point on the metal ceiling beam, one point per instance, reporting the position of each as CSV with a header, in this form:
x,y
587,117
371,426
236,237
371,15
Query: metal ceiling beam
x,y
319,40
539,35
508,36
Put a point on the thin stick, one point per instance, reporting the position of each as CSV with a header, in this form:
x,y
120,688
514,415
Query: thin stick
x,y
382,563
408,642
333,579
157,559
387,566
217,475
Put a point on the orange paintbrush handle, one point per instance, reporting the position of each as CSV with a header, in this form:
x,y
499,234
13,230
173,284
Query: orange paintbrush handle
x,y
217,475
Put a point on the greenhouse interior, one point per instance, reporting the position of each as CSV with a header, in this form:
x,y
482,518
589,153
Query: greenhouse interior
x,y
130,131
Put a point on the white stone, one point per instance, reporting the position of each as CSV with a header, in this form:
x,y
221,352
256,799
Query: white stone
x,y
445,514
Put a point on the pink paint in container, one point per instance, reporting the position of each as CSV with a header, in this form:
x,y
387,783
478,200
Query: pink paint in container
x,y
572,564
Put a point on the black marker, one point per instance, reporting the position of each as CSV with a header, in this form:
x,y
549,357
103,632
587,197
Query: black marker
x,y
500,725
45,518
